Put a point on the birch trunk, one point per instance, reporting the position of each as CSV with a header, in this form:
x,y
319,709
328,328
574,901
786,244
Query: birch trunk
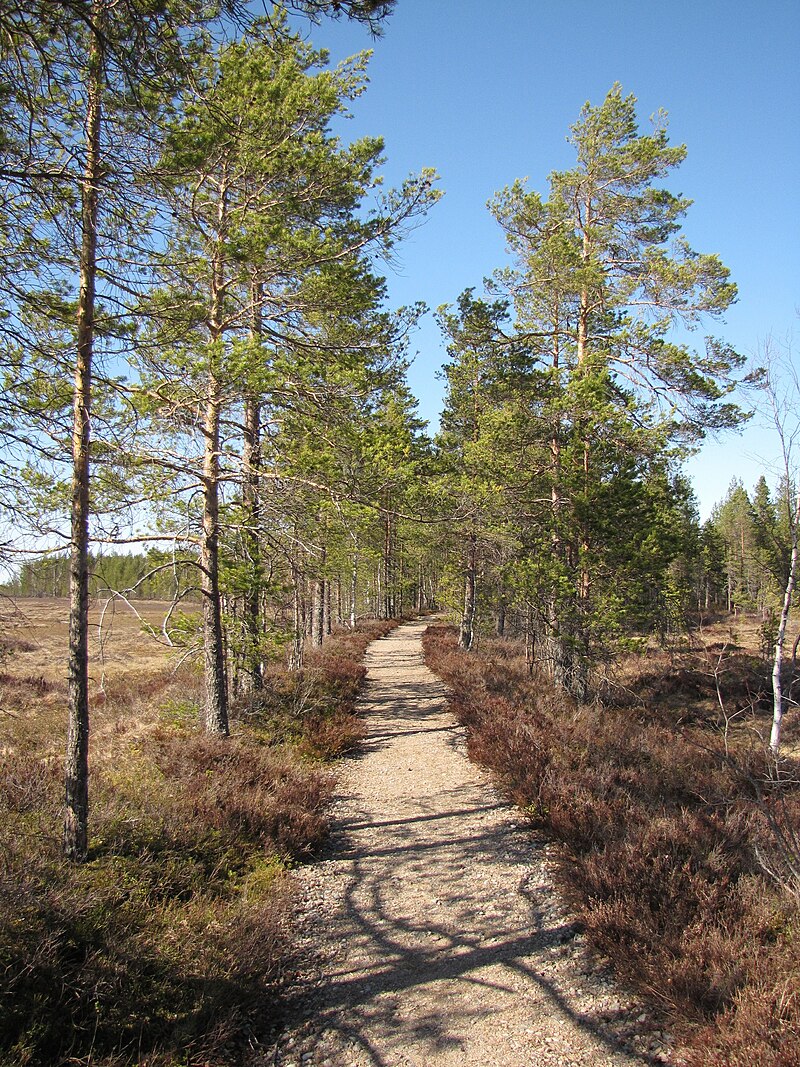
x,y
216,697
467,634
777,666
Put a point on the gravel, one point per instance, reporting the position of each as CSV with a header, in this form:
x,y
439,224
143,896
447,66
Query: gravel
x,y
432,933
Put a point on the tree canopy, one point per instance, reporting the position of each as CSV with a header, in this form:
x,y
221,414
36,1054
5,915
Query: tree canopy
x,y
199,357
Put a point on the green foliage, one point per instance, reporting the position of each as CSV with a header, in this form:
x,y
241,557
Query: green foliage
x,y
754,541
574,420
155,575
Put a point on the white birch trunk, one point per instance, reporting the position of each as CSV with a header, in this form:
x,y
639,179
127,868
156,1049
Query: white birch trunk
x,y
777,666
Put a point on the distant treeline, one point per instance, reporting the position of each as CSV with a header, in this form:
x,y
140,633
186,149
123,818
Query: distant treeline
x,y
154,575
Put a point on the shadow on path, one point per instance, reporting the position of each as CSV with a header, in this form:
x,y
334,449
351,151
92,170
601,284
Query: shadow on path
x,y
442,939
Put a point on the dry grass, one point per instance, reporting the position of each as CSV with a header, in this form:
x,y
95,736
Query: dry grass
x,y
171,945
718,675
668,817
128,667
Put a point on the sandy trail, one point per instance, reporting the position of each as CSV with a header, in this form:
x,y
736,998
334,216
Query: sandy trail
x,y
437,934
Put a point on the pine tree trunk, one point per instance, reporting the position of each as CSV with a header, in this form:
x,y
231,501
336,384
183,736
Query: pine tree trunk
x,y
327,610
501,617
353,593
386,562
251,466
530,641
318,607
317,612
298,635
216,698
251,462
76,809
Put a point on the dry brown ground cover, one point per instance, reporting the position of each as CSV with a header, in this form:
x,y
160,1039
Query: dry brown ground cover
x,y
669,817
170,946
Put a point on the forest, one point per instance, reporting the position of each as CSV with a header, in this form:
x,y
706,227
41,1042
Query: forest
x,y
205,403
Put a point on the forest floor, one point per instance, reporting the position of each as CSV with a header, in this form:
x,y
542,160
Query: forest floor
x,y
433,931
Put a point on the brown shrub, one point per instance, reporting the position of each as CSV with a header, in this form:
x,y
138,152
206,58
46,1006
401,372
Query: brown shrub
x,y
314,709
20,687
251,790
170,944
132,688
332,736
760,1029
27,784
664,828
9,644
172,936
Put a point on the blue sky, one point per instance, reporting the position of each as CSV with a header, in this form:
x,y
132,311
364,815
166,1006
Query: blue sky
x,y
485,93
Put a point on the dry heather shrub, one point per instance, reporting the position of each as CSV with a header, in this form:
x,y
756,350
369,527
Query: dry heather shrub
x,y
172,936
662,828
170,945
762,1026
134,688
314,709
91,972
263,795
27,784
9,644
327,737
662,900
353,643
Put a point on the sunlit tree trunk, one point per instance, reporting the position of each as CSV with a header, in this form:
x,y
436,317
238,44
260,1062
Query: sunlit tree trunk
x,y
386,566
777,667
327,613
216,698
299,629
216,702
251,465
76,810
353,589
467,633
318,606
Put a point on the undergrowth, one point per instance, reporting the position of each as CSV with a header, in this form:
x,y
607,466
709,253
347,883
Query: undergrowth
x,y
666,832
169,947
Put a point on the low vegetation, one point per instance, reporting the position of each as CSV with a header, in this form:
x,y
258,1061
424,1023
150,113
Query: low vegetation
x,y
679,838
170,945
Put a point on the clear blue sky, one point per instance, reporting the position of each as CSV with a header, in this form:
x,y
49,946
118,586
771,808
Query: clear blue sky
x,y
485,93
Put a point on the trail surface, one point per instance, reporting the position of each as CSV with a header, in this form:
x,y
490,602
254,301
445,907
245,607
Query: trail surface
x,y
436,936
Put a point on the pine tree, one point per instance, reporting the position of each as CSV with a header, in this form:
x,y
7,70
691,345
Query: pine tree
x,y
473,440
600,274
84,84
265,274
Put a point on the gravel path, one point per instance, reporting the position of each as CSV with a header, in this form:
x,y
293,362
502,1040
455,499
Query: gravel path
x,y
433,929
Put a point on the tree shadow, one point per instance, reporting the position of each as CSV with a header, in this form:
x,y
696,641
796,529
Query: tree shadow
x,y
420,908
